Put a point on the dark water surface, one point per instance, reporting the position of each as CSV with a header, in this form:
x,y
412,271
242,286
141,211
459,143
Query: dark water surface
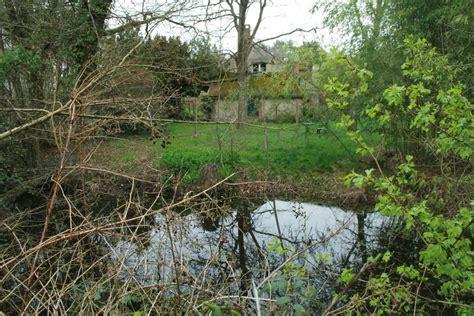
x,y
211,255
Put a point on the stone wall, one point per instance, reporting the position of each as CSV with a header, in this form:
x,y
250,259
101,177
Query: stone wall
x,y
226,110
273,108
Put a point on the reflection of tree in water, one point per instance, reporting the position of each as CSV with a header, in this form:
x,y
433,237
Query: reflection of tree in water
x,y
224,255
260,260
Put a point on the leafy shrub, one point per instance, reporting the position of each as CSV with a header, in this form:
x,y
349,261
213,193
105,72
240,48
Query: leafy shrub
x,y
189,163
431,108
187,114
12,60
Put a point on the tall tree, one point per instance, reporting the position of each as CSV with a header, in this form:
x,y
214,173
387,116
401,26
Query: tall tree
x,y
375,30
239,12
447,25
205,61
367,27
90,27
50,41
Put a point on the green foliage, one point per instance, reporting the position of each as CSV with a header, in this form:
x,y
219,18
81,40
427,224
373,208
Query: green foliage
x,y
131,299
447,25
215,310
347,275
205,108
284,118
16,60
207,105
99,295
446,257
291,287
170,56
291,148
300,67
346,86
431,108
189,163
205,62
88,23
375,30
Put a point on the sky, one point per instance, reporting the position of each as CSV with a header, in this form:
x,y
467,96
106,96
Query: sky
x,y
280,16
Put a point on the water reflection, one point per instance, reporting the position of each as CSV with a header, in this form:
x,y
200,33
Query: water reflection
x,y
192,248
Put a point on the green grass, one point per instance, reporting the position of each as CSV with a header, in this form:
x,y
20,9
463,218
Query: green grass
x,y
128,156
292,149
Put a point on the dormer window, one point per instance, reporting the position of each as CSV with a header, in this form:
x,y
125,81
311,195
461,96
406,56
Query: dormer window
x,y
259,68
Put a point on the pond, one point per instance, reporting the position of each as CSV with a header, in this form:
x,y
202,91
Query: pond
x,y
187,247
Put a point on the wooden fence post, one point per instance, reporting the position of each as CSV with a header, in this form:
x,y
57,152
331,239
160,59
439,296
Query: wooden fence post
x,y
265,132
195,117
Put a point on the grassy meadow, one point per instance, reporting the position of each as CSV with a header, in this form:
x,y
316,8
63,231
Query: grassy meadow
x,y
281,149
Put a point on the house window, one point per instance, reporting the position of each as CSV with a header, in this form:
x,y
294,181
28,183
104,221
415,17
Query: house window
x,y
259,67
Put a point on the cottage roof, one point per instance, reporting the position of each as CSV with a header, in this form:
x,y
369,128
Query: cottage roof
x,y
260,55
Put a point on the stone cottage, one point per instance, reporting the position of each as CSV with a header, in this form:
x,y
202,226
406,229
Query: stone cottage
x,y
268,97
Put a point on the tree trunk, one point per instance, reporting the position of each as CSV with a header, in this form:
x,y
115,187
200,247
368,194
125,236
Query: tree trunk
x,y
244,39
243,96
361,236
93,14
243,223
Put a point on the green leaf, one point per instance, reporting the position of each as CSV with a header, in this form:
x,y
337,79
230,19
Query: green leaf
x,y
215,309
131,298
280,285
454,232
298,283
283,300
386,257
97,295
346,276
298,309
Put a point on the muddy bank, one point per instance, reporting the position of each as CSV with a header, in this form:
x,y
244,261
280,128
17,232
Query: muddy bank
x,y
322,188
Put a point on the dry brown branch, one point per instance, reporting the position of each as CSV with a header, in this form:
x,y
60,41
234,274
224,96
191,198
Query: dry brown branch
x,y
104,228
32,123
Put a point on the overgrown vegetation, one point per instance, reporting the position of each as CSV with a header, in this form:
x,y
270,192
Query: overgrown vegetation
x,y
433,113
120,194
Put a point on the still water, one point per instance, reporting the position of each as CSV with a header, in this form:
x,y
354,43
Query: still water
x,y
211,255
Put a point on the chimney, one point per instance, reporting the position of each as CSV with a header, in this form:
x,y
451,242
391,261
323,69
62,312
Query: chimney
x,y
247,34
